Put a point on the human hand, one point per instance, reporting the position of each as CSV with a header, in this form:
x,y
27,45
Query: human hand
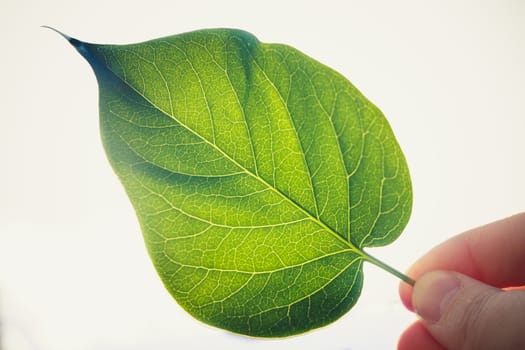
x,y
458,294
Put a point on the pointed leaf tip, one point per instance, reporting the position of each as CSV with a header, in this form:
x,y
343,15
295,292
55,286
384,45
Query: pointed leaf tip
x,y
77,44
65,36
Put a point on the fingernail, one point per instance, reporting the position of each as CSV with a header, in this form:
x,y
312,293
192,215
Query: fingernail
x,y
432,294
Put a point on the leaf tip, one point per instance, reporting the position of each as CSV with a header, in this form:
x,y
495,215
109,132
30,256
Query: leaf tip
x,y
65,36
77,44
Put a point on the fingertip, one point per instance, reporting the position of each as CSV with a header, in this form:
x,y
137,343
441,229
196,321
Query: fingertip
x,y
458,311
416,337
405,293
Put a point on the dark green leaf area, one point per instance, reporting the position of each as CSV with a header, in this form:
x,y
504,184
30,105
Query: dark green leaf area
x,y
258,176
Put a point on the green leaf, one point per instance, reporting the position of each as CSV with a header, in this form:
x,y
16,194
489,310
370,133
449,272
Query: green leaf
x,y
258,175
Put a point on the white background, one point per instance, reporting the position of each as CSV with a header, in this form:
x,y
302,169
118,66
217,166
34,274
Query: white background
x,y
74,274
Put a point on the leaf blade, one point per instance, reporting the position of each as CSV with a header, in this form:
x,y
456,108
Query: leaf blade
x,y
243,161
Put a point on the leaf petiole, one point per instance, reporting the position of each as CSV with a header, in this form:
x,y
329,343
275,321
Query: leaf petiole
x,y
388,268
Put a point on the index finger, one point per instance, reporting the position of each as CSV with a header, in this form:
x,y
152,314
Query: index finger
x,y
493,254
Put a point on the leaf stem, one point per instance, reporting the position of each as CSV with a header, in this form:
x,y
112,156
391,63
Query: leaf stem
x,y
388,268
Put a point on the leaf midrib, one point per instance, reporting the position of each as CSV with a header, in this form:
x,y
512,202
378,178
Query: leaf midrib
x,y
305,212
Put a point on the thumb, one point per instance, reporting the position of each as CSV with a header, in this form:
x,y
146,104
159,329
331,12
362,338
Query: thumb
x,y
462,313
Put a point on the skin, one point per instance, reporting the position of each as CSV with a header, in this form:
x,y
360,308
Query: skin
x,y
487,309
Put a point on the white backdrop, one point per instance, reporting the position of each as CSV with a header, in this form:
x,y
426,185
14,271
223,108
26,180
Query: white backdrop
x,y
74,274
